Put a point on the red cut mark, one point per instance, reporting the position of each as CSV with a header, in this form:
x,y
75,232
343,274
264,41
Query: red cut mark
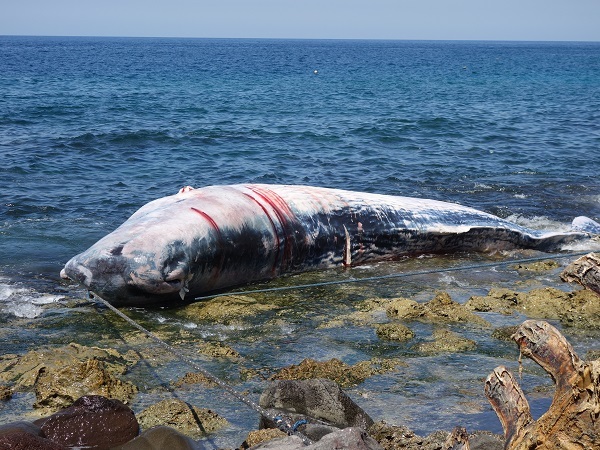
x,y
210,220
275,232
220,246
283,213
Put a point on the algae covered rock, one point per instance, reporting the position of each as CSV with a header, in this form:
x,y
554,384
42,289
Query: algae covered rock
x,y
446,341
187,419
226,309
23,370
441,309
59,388
336,370
394,332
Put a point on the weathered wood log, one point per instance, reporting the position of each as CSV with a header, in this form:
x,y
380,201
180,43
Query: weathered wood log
x,y
585,271
573,419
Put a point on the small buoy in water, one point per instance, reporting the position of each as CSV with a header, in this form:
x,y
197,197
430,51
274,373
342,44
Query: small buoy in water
x,y
315,71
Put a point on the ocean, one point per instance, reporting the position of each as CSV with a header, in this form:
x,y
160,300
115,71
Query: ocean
x,y
93,128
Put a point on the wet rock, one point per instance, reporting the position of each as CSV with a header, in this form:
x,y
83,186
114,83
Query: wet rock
x,y
319,399
194,378
336,370
217,350
446,341
160,438
59,388
92,422
259,436
346,439
5,393
25,436
441,309
187,419
225,309
577,309
394,332
393,437
537,266
23,370
582,310
505,333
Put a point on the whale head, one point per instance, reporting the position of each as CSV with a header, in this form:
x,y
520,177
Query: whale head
x,y
149,259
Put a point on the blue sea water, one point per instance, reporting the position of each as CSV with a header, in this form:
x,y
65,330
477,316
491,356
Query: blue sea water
x,y
92,128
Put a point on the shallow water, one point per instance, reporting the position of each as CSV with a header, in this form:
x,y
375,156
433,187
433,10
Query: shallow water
x,y
92,128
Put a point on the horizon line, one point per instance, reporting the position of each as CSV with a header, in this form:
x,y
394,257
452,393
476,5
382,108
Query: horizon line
x,y
295,38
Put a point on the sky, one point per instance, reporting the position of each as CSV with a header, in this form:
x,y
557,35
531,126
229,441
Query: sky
x,y
537,20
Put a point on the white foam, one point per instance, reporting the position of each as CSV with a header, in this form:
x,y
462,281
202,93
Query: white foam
x,y
23,302
539,223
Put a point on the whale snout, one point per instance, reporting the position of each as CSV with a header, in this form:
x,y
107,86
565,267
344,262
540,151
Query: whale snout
x,y
129,279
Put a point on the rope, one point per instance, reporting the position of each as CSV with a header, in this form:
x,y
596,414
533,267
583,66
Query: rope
x,y
391,276
283,423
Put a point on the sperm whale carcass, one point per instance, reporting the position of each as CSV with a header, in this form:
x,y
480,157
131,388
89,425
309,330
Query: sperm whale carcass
x,y
207,240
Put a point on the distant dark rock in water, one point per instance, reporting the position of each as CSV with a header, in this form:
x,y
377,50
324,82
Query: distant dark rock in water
x,y
92,422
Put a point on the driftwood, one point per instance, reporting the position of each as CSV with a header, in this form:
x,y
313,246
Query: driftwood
x,y
573,420
585,271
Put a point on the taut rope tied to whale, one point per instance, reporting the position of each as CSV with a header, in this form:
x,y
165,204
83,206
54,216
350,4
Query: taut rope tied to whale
x,y
201,241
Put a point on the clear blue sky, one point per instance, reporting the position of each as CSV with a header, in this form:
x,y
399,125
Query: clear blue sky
x,y
343,19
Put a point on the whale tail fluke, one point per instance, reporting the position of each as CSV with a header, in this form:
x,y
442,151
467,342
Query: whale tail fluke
x,y
586,225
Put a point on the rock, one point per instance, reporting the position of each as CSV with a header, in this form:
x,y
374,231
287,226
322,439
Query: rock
x,y
392,437
92,422
187,419
23,370
445,341
504,333
579,309
346,439
225,309
336,370
194,378
318,399
259,436
537,266
160,438
403,308
394,332
59,388
25,436
217,350
5,393
441,309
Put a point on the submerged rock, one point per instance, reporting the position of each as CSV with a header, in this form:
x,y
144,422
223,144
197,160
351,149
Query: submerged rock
x,y
190,420
5,393
445,341
394,332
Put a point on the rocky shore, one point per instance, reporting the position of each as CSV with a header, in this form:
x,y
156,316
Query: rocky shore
x,y
82,392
